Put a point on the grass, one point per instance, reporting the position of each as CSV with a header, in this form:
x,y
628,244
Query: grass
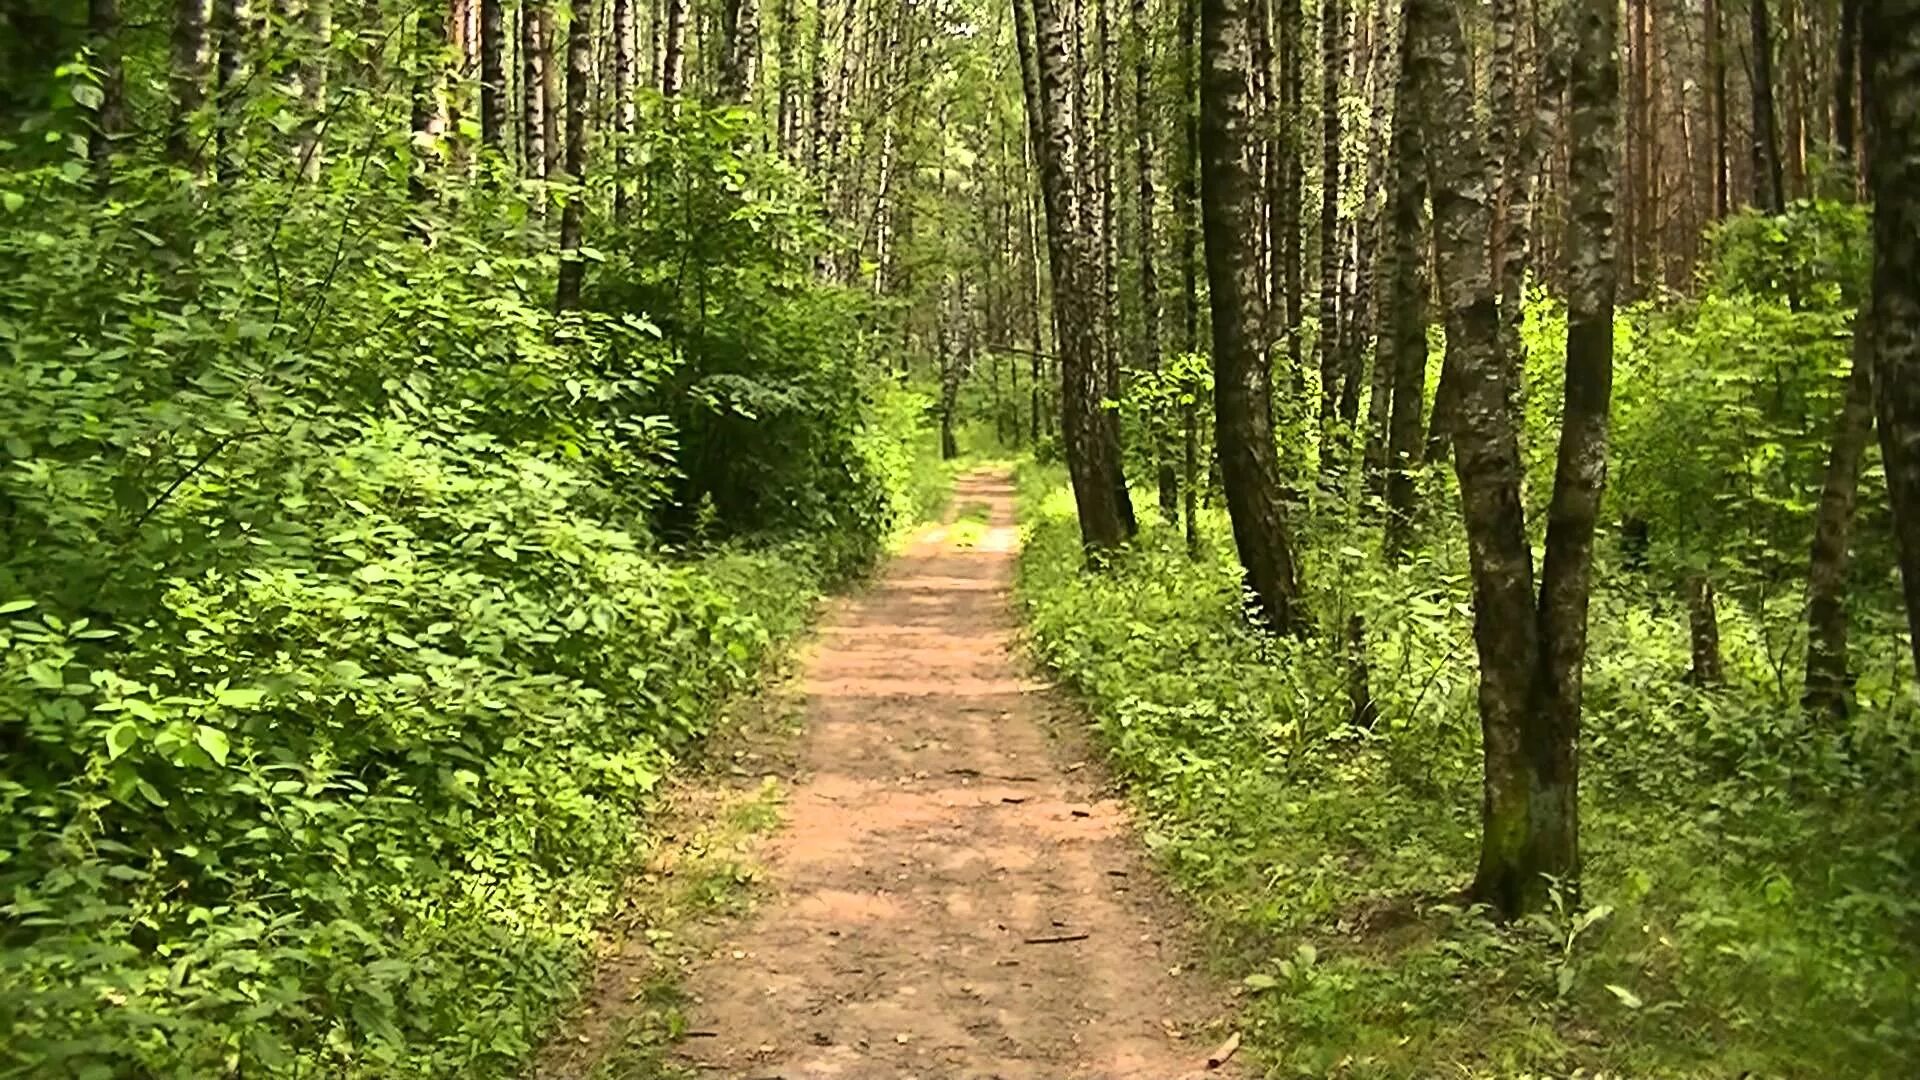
x,y
1748,905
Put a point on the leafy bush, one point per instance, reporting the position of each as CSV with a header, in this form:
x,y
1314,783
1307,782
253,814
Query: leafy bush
x,y
339,646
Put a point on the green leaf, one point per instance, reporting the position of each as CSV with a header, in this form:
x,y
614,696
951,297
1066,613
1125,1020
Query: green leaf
x,y
214,742
120,737
1259,981
240,697
1627,997
13,606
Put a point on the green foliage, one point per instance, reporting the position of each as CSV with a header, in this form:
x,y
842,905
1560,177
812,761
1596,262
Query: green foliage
x,y
340,649
1816,255
1744,905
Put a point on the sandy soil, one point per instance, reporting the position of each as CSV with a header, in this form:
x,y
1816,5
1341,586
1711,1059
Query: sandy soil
x,y
954,897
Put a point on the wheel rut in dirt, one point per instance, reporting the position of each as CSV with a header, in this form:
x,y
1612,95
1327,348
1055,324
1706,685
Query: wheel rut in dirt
x,y
954,896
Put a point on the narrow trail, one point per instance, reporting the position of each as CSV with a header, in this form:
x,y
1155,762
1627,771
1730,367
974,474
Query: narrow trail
x,y
954,896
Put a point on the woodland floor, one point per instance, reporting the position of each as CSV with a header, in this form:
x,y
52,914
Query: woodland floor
x,y
952,893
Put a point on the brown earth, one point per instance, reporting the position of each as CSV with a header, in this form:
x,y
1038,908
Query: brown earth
x,y
954,896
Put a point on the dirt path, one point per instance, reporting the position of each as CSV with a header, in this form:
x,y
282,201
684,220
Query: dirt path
x,y
955,898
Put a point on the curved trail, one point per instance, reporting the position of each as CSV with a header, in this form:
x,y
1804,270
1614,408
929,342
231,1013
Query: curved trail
x,y
955,897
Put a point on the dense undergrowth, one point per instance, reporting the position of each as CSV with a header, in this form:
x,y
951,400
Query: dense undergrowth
x,y
352,603
1746,905
1743,911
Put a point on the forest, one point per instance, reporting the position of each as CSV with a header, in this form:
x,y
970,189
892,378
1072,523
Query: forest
x,y
1466,460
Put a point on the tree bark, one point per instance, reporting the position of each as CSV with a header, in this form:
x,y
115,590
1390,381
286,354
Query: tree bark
x,y
1580,473
188,79
1188,214
231,20
623,105
1090,452
1285,201
1243,405
1717,88
1407,304
1332,59
673,49
311,71
1530,658
742,70
536,52
493,74
1846,80
1703,631
1828,683
1769,181
1890,55
1168,484
579,78
1486,454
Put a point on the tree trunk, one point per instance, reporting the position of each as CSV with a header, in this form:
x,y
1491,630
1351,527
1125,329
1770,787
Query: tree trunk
x,y
188,79
1580,471
742,72
1530,659
231,19
1285,202
1486,454
786,120
1890,55
1243,406
493,74
1109,296
1332,59
318,27
109,117
579,76
1703,630
817,73
623,106
428,117
1090,451
1188,213
1407,304
1846,81
536,45
673,49
1828,683
1717,88
1769,182
1169,485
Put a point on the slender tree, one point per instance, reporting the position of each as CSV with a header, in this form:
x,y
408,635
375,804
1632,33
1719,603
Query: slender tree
x,y
1846,80
579,79
742,70
1333,53
1531,657
1828,681
1890,57
317,26
232,23
1769,182
493,74
673,49
1406,338
536,52
1144,239
188,79
1090,451
1243,405
623,107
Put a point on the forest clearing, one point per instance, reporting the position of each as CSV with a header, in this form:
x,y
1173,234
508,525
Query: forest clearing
x,y
644,539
